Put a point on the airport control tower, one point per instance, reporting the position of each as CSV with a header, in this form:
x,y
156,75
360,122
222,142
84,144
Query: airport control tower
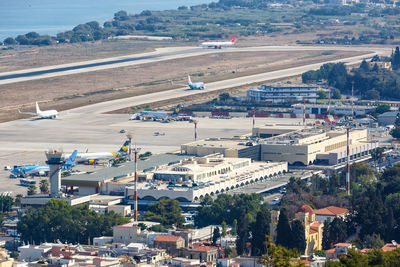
x,y
55,159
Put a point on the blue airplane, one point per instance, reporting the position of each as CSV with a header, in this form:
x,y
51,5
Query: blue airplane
x,y
24,171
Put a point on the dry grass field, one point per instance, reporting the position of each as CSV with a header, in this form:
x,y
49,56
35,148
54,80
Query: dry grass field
x,y
65,92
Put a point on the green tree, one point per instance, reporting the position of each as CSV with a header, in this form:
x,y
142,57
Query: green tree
x,y
227,251
353,258
395,133
372,95
377,154
373,241
234,228
6,203
166,212
320,253
44,186
216,235
395,58
309,76
375,68
260,230
9,41
14,254
207,200
121,15
298,237
224,229
227,208
31,190
58,220
364,66
142,226
322,94
283,230
243,233
336,94
32,35
382,109
326,242
279,256
224,97
2,216
337,231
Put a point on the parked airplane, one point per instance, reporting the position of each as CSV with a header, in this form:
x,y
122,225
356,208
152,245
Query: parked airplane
x,y
48,114
218,44
92,158
41,170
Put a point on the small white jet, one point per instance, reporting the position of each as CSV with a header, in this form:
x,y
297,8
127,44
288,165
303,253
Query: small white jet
x,y
218,44
192,85
45,114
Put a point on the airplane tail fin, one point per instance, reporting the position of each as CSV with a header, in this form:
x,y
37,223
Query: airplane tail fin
x,y
189,80
233,38
124,148
37,108
71,161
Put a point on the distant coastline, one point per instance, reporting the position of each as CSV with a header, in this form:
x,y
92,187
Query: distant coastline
x,y
48,17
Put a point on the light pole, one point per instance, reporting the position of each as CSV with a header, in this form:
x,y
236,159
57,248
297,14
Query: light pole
x,y
136,152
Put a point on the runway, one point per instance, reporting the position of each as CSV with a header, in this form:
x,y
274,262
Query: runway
x,y
161,54
112,105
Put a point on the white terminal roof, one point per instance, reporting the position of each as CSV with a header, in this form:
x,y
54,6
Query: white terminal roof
x,y
237,173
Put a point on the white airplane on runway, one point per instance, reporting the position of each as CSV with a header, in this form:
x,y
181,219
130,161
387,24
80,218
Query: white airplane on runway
x,y
218,44
45,114
192,85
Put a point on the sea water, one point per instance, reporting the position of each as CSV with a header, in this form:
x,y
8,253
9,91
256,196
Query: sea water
x,y
54,16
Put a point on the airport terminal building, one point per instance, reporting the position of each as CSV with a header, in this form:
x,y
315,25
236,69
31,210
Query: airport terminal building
x,y
194,178
305,146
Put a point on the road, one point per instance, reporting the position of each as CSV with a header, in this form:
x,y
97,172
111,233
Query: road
x,y
160,54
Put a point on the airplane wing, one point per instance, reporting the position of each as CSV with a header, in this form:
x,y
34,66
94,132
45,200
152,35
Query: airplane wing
x,y
28,113
180,84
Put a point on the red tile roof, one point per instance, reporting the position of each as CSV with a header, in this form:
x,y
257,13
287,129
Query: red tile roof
x,y
305,209
365,250
332,250
331,210
166,238
390,247
204,248
315,225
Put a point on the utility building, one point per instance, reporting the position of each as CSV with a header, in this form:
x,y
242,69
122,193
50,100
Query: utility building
x,y
283,93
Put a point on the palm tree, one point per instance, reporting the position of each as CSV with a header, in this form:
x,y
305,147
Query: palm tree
x,y
31,190
44,187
